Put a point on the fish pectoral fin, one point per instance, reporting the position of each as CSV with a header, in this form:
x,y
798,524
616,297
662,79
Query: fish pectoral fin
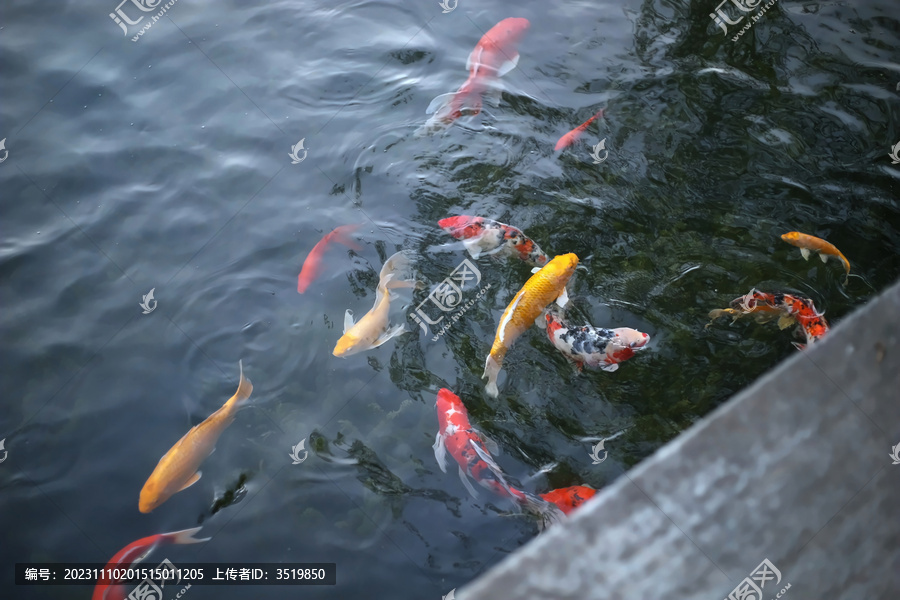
x,y
541,321
536,269
824,257
194,479
467,483
348,320
440,451
610,367
804,252
508,66
472,246
563,298
439,102
785,321
392,332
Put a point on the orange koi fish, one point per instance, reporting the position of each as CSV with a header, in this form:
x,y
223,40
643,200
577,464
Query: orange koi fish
x,y
795,306
488,237
177,469
571,137
495,55
312,266
465,444
810,242
135,552
545,286
570,498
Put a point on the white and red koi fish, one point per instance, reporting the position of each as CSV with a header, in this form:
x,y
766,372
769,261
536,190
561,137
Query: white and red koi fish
x,y
486,237
457,436
604,348
571,137
312,266
495,55
790,307
135,552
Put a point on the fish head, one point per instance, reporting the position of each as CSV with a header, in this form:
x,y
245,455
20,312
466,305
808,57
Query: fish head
x,y
509,32
151,497
561,268
462,227
349,345
448,405
791,237
631,338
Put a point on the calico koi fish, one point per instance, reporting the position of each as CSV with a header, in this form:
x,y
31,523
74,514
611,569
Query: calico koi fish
x,y
469,448
177,469
493,238
604,348
545,286
570,498
794,306
135,552
372,329
312,266
810,242
495,55
571,137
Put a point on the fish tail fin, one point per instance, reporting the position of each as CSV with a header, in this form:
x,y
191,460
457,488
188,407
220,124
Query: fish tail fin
x,y
599,114
245,388
491,370
547,513
186,536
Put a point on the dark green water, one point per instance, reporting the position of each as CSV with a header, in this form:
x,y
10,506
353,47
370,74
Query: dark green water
x,y
164,164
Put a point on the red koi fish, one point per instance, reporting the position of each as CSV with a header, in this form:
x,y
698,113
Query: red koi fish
x,y
135,552
790,306
571,137
457,436
312,266
493,238
570,498
495,55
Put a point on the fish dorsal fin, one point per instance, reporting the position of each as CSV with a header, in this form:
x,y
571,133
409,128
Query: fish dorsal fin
x,y
508,66
194,479
348,320
440,451
467,483
493,466
439,102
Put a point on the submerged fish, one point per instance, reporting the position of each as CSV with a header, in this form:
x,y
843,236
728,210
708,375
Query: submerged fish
x,y
177,469
545,286
312,266
372,329
570,498
810,242
109,589
486,237
604,348
571,137
467,446
495,55
789,308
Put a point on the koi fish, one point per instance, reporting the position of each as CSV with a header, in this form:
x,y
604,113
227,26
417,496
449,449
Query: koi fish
x,y
810,242
493,238
494,56
571,137
468,447
135,552
545,286
570,498
604,348
372,329
312,266
790,306
177,469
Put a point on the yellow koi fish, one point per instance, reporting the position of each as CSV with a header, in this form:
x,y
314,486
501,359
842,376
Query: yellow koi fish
x,y
545,286
372,330
810,242
177,469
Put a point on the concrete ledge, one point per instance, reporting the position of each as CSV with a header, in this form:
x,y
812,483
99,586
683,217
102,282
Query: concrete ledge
x,y
795,469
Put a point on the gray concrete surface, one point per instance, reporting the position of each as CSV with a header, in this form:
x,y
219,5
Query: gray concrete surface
x,y
795,469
